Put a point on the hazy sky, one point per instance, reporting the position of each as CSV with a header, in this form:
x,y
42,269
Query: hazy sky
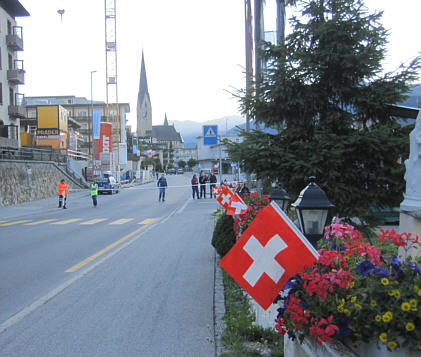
x,y
194,50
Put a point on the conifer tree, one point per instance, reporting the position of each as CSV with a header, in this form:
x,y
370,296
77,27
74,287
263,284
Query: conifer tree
x,y
326,95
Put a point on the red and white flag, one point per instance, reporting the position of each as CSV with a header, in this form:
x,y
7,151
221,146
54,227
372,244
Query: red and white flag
x,y
268,254
225,197
216,191
237,206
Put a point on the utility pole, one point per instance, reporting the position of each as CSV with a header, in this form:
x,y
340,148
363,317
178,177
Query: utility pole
x,y
92,123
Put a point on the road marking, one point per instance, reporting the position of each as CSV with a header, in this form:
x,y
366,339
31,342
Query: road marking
x,y
122,221
68,221
94,221
3,221
53,293
101,252
149,220
15,222
39,222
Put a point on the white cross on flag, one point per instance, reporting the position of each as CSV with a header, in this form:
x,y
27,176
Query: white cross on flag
x,y
268,254
216,191
237,206
225,197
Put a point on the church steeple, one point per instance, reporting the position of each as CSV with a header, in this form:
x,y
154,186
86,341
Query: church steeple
x,y
165,120
144,107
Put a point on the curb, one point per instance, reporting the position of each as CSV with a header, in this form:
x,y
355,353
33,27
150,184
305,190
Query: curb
x,y
218,307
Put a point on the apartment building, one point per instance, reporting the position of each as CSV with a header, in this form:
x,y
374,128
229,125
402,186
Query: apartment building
x,y
11,72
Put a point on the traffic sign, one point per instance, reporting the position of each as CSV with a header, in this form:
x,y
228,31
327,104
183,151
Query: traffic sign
x,y
210,134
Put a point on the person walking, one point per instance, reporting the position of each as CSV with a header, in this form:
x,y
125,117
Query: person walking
x,y
202,181
62,194
162,184
195,186
94,192
212,180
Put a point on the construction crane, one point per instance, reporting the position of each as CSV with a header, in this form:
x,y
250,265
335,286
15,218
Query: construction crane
x,y
112,109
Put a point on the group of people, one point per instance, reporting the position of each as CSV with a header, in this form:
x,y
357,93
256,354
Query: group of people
x,y
63,192
201,182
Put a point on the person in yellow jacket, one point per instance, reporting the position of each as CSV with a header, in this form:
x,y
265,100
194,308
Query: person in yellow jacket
x,y
94,192
63,191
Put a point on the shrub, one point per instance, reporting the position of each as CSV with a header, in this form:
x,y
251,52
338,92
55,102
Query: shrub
x,y
223,235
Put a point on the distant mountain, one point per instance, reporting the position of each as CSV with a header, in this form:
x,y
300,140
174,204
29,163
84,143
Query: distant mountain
x,y
414,99
190,130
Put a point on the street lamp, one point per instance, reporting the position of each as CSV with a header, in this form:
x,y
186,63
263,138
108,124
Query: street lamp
x,y
312,207
92,124
281,197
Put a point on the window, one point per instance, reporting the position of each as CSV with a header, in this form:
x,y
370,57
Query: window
x,y
32,114
9,27
11,97
1,94
10,61
0,58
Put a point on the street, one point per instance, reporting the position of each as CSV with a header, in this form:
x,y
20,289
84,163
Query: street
x,y
131,277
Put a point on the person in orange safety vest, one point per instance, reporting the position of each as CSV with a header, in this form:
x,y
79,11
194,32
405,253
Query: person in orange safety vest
x,y
62,194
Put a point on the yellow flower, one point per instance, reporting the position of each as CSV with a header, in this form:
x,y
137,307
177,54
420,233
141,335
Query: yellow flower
x,y
340,308
385,281
373,303
419,292
387,317
351,285
383,337
353,299
406,306
410,326
392,345
347,312
358,306
389,314
413,302
416,288
378,318
397,294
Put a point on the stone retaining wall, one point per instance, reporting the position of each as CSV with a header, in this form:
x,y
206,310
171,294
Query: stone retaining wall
x,y
28,181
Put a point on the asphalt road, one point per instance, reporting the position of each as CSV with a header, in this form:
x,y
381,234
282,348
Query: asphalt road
x,y
131,277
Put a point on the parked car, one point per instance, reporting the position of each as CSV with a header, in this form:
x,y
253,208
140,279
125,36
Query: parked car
x,y
171,172
180,171
108,184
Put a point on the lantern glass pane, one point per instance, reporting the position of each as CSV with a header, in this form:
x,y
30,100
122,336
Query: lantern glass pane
x,y
314,220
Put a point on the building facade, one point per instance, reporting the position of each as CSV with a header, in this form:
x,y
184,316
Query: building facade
x,y
11,72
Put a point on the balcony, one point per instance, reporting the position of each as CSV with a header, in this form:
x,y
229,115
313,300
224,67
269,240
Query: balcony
x,y
16,76
14,40
17,109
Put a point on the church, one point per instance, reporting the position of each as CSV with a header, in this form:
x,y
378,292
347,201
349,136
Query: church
x,y
164,140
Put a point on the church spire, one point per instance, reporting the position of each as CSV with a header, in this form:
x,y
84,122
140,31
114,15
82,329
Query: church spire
x,y
165,120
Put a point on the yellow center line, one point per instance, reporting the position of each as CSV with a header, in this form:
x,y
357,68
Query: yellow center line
x,y
94,221
68,221
15,222
101,252
3,221
149,220
39,222
122,221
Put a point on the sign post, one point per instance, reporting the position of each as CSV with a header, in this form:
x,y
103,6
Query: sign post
x,y
210,137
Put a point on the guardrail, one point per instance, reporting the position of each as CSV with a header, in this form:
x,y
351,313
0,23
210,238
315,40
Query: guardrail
x,y
34,154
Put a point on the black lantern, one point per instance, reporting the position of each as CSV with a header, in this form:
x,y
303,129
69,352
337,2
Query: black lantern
x,y
312,207
280,196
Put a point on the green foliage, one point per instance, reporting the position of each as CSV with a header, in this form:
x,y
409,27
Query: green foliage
x,y
240,333
325,94
155,162
223,235
181,164
192,163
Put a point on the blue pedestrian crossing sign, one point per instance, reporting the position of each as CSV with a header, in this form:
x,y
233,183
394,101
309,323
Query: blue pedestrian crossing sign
x,y
210,134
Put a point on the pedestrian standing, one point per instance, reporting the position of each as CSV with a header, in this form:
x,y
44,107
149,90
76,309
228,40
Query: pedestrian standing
x,y
94,192
62,194
202,181
212,180
157,175
162,184
195,186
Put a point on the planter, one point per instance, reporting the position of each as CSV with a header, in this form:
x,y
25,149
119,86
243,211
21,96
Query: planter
x,y
362,349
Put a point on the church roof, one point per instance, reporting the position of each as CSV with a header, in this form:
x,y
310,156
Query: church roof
x,y
143,83
166,132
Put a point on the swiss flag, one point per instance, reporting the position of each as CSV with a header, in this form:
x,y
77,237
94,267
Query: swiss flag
x,y
268,254
225,197
216,191
237,206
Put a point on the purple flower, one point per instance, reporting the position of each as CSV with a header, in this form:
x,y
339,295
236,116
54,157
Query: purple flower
x,y
414,266
395,262
382,272
365,268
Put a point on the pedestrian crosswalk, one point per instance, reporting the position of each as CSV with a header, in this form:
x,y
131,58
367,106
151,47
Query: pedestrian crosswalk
x,y
79,221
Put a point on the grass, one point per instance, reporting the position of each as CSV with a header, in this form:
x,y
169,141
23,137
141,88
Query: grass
x,y
241,337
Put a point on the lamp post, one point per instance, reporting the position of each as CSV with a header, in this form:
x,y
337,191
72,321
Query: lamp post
x,y
281,197
312,207
92,124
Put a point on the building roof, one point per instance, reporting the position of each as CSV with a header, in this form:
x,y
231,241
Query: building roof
x,y
143,83
14,8
166,132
